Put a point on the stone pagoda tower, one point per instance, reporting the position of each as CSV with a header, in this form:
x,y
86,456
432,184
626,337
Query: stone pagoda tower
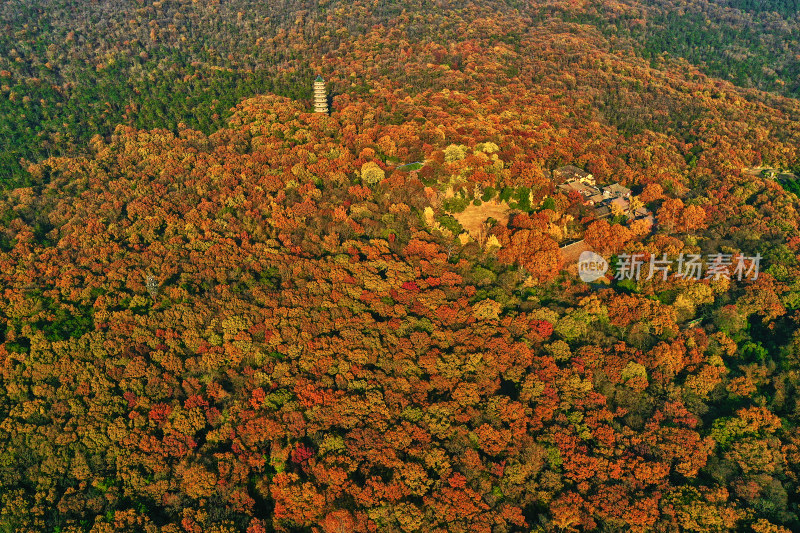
x,y
320,96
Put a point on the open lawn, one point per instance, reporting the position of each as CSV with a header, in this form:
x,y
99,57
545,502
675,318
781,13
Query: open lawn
x,y
473,217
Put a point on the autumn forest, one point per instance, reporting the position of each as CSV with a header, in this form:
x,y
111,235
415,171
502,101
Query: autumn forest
x,y
221,311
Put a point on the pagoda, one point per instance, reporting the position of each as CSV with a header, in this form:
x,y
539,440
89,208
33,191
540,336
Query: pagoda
x,y
320,96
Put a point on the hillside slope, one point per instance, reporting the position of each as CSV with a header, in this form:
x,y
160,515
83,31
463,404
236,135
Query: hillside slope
x,y
268,326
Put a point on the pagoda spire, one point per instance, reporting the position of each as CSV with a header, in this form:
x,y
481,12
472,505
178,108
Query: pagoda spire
x,y
320,96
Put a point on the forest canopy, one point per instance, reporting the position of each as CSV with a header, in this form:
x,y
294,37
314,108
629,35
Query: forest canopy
x,y
221,311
